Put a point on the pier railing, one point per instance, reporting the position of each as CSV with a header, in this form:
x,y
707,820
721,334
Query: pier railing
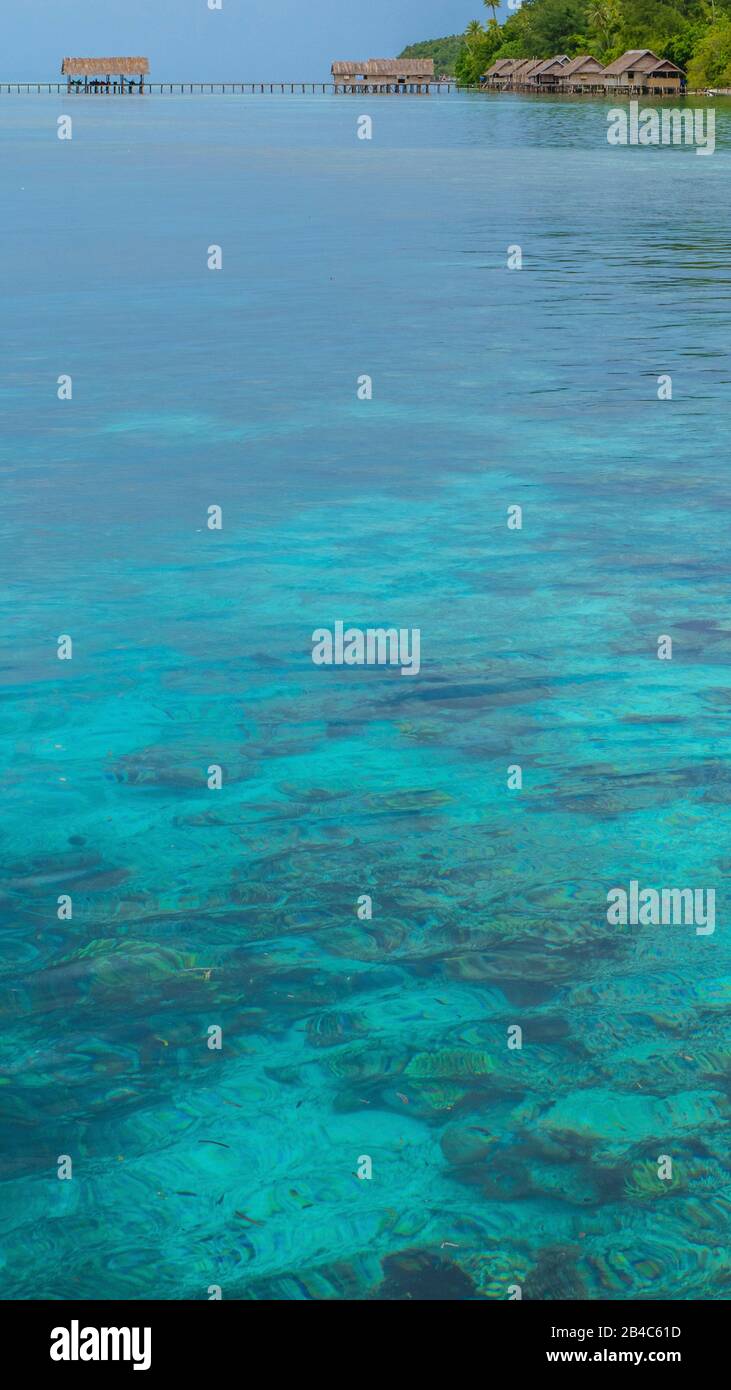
x,y
99,88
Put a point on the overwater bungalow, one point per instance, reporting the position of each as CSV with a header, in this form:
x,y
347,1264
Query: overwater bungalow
x,y
664,79
487,78
640,70
498,74
582,74
107,75
637,71
384,75
548,75
521,73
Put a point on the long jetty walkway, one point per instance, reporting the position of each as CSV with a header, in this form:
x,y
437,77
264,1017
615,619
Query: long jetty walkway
x,y
98,88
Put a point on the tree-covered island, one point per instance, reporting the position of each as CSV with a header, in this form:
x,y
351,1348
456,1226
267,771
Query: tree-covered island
x,y
695,34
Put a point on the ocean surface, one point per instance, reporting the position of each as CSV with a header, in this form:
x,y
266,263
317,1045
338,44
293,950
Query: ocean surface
x,y
344,1037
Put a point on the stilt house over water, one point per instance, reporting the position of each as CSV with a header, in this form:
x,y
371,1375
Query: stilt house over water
x,y
637,71
384,75
640,70
107,75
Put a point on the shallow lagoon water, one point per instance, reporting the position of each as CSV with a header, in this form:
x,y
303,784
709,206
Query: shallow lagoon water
x,y
191,909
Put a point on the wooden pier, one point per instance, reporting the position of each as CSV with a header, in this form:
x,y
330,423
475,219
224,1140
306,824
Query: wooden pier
x,y
225,88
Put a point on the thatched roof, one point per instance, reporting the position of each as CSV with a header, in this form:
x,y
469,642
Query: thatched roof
x,y
423,67
496,67
578,65
663,65
526,66
503,66
633,58
641,59
521,63
550,63
102,67
387,67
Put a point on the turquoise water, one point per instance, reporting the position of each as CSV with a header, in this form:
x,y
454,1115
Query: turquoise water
x,y
237,1168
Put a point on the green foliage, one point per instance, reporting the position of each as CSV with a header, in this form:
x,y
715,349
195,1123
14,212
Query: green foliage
x,y
696,34
552,23
480,48
711,62
445,52
682,45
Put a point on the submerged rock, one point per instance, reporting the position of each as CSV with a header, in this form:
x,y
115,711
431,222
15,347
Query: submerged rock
x,y
555,1275
418,1274
364,1064
463,1145
104,967
333,1029
610,1124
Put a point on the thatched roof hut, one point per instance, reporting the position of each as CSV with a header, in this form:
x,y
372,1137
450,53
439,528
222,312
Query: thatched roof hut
x,y
400,67
383,72
585,63
504,76
500,69
523,70
105,74
546,74
634,60
641,69
105,67
637,70
664,78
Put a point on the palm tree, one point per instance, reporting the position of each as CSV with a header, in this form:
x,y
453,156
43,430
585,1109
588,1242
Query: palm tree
x,y
600,17
493,5
474,32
